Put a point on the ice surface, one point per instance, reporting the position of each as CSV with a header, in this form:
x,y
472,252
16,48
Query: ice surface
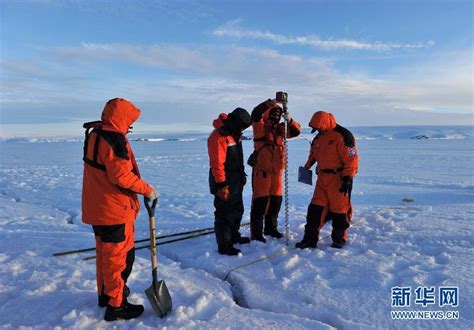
x,y
424,243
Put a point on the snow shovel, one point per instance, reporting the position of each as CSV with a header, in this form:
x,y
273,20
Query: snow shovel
x,y
157,293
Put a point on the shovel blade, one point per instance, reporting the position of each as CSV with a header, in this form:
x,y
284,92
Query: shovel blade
x,y
159,298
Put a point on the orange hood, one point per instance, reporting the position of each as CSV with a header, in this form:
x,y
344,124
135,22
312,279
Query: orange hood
x,y
120,114
323,121
219,121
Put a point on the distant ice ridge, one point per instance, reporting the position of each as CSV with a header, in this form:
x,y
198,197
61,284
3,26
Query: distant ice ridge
x,y
162,139
149,140
415,132
40,140
360,133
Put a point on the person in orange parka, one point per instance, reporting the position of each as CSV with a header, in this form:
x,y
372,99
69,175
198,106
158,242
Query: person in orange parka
x,y
268,134
335,152
111,183
227,178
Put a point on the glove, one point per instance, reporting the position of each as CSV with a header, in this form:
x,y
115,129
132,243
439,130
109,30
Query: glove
x,y
153,195
287,116
223,193
309,164
346,186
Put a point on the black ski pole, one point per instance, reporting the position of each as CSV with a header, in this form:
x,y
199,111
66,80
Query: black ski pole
x,y
58,254
161,243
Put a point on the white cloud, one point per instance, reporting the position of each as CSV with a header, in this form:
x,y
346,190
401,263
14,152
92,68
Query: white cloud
x,y
232,29
196,83
164,56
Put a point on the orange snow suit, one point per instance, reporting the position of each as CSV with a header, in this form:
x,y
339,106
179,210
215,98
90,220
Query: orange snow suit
x,y
336,154
111,183
267,172
268,143
334,150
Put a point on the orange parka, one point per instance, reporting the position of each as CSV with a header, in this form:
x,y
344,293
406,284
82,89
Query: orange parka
x,y
225,155
111,179
268,138
334,147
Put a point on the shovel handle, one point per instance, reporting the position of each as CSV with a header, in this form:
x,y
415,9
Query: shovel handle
x,y
150,205
151,214
154,260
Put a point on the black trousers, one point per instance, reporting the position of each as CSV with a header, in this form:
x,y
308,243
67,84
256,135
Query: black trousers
x,y
228,216
257,214
314,221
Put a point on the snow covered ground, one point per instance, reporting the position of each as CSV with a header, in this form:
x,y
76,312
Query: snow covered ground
x,y
425,243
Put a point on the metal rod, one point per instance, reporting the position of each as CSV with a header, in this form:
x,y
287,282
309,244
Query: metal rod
x,y
160,243
58,254
285,142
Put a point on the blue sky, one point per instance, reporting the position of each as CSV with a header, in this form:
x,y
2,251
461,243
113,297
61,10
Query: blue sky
x,y
183,62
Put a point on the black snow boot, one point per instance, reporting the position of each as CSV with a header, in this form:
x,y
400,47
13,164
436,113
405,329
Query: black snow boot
x,y
259,238
242,240
125,312
311,231
337,245
257,213
230,251
306,244
340,224
273,233
104,299
271,217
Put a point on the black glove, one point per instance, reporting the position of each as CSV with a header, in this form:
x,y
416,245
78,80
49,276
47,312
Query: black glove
x,y
346,186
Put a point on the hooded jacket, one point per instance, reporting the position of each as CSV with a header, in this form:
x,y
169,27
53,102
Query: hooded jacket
x,y
109,190
268,138
224,147
334,147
